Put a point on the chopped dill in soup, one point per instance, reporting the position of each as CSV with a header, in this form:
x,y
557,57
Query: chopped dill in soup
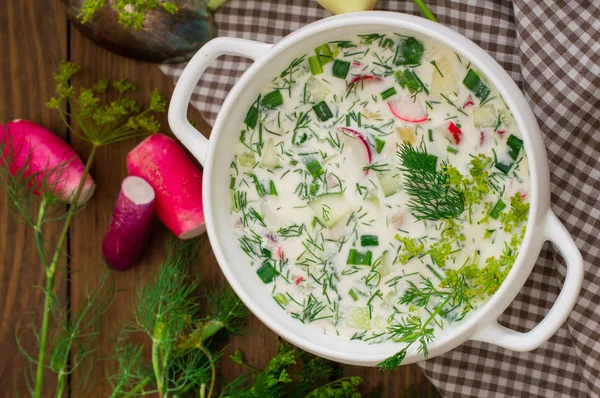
x,y
380,189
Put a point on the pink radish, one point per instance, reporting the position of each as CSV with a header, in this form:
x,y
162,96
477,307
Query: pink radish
x,y
481,138
455,132
46,160
408,109
130,224
363,79
176,181
469,102
363,146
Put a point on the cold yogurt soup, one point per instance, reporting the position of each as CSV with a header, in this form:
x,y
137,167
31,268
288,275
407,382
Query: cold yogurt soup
x,y
380,189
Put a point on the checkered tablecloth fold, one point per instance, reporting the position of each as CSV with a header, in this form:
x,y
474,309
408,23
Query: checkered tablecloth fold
x,y
552,50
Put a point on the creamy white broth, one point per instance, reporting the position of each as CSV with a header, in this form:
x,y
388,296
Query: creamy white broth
x,y
307,202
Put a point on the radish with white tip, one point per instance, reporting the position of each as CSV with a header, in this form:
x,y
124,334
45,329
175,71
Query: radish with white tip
x,y
130,224
176,181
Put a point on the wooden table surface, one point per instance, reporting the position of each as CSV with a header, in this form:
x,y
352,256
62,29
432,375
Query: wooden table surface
x,y
34,37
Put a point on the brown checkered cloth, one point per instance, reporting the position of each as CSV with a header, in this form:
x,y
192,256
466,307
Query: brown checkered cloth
x,y
551,48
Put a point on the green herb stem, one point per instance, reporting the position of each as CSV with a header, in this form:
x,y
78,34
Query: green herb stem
x,y
51,272
213,371
134,392
156,366
425,10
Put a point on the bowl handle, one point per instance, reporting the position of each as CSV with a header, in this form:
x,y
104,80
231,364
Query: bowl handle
x,y
501,336
191,138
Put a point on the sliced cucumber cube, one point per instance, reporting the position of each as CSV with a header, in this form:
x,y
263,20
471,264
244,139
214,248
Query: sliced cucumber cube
x,y
317,90
336,206
485,116
390,183
246,159
269,155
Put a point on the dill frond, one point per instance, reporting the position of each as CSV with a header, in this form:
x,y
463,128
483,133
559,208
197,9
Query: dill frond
x,y
100,120
431,197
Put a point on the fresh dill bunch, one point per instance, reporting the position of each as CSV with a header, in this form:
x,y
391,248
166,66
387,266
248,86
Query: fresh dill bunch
x,y
184,355
431,196
165,305
103,121
132,13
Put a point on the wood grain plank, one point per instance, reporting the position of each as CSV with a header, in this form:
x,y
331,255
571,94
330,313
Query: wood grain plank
x,y
31,49
258,342
405,382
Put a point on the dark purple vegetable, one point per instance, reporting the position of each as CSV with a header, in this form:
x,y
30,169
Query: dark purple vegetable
x,y
130,224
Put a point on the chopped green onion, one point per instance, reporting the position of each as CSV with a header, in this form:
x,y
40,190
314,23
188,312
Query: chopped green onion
x,y
273,99
266,252
515,145
488,233
474,83
272,189
314,167
267,272
452,150
299,138
369,240
379,143
503,167
498,207
315,65
388,93
353,295
324,54
281,299
430,135
322,111
407,79
251,117
357,258
340,68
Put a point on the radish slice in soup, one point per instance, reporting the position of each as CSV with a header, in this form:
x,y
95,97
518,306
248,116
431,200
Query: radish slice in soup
x,y
361,80
455,132
408,110
357,144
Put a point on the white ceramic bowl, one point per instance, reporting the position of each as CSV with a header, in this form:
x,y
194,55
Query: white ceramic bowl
x,y
216,154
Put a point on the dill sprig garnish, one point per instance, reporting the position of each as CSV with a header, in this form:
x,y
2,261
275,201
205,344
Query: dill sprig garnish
x,y
452,299
431,197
